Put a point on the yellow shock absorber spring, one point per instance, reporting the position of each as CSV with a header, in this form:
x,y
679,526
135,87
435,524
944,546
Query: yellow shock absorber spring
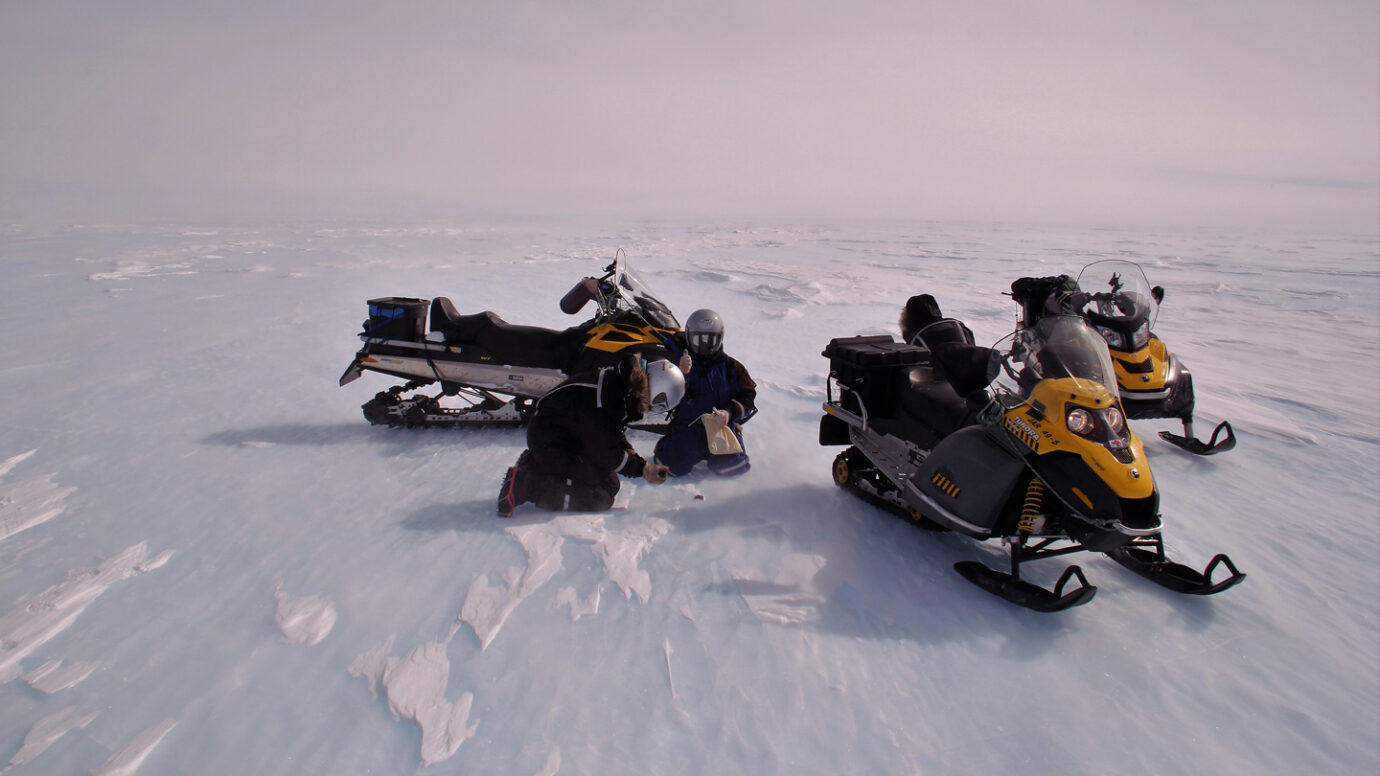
x,y
1030,508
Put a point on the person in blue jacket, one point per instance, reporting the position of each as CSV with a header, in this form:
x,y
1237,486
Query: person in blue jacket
x,y
714,383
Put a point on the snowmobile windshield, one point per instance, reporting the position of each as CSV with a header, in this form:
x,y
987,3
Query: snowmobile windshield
x,y
1120,303
1056,347
637,297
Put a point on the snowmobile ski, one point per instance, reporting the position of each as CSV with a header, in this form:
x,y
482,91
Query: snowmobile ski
x,y
1147,559
1187,441
1029,595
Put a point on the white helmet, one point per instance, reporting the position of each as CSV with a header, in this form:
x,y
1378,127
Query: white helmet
x,y
704,333
665,385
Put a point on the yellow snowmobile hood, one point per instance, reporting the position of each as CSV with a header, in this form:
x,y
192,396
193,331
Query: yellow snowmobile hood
x,y
1040,424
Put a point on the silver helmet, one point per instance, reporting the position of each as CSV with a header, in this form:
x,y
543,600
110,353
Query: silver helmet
x,y
665,385
704,332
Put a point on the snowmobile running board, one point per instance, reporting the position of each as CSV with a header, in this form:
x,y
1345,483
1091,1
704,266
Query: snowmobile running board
x,y
1151,564
1197,447
1023,593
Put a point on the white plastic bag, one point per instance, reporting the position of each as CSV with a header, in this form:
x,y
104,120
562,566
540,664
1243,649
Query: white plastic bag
x,y
721,439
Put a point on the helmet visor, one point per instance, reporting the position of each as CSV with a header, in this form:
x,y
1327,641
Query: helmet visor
x,y
705,343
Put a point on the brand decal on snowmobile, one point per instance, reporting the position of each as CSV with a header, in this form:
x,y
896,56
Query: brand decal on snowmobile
x,y
1022,431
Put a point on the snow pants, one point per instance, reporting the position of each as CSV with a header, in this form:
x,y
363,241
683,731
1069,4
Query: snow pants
x,y
569,483
686,446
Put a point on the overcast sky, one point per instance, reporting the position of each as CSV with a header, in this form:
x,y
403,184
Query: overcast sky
x,y
1108,111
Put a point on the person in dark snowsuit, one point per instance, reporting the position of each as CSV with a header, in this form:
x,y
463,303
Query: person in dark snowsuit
x,y
715,383
967,367
576,441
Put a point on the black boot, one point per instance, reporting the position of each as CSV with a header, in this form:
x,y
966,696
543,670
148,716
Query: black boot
x,y
514,489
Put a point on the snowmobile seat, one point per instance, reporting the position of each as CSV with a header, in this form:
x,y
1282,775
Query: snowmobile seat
x,y
967,368
498,341
443,315
927,409
945,330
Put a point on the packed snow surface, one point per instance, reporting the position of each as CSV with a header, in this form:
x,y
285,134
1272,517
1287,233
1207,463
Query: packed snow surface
x,y
211,564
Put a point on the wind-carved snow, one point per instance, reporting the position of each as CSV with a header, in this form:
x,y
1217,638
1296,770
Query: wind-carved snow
x,y
621,550
10,463
181,258
567,596
487,606
670,675
25,629
52,676
123,269
789,599
128,758
46,732
306,620
29,502
416,688
552,765
416,685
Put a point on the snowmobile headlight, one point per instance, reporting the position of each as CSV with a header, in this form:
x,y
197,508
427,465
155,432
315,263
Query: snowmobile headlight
x,y
1115,419
1080,421
1140,337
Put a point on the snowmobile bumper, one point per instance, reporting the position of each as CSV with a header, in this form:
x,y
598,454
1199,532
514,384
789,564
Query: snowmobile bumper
x,y
352,373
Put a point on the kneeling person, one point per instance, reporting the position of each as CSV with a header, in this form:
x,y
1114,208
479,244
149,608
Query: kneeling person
x,y
577,444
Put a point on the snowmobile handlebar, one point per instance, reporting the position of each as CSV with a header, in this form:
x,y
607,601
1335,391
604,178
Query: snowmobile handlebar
x,y
1134,312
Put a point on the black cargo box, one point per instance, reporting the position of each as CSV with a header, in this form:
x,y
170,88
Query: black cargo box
x,y
872,366
397,317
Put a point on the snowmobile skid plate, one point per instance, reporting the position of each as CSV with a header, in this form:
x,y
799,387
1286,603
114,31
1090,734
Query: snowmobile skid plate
x,y
1199,447
1151,564
1026,594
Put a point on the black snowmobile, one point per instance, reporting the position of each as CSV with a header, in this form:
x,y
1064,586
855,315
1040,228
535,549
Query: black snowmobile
x,y
494,369
1152,381
1044,460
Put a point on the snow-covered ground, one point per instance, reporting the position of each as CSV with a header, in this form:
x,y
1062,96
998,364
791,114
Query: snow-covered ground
x,y
211,564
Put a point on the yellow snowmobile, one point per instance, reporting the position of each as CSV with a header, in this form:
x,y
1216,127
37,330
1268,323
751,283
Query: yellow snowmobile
x,y
1042,460
1153,382
494,369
